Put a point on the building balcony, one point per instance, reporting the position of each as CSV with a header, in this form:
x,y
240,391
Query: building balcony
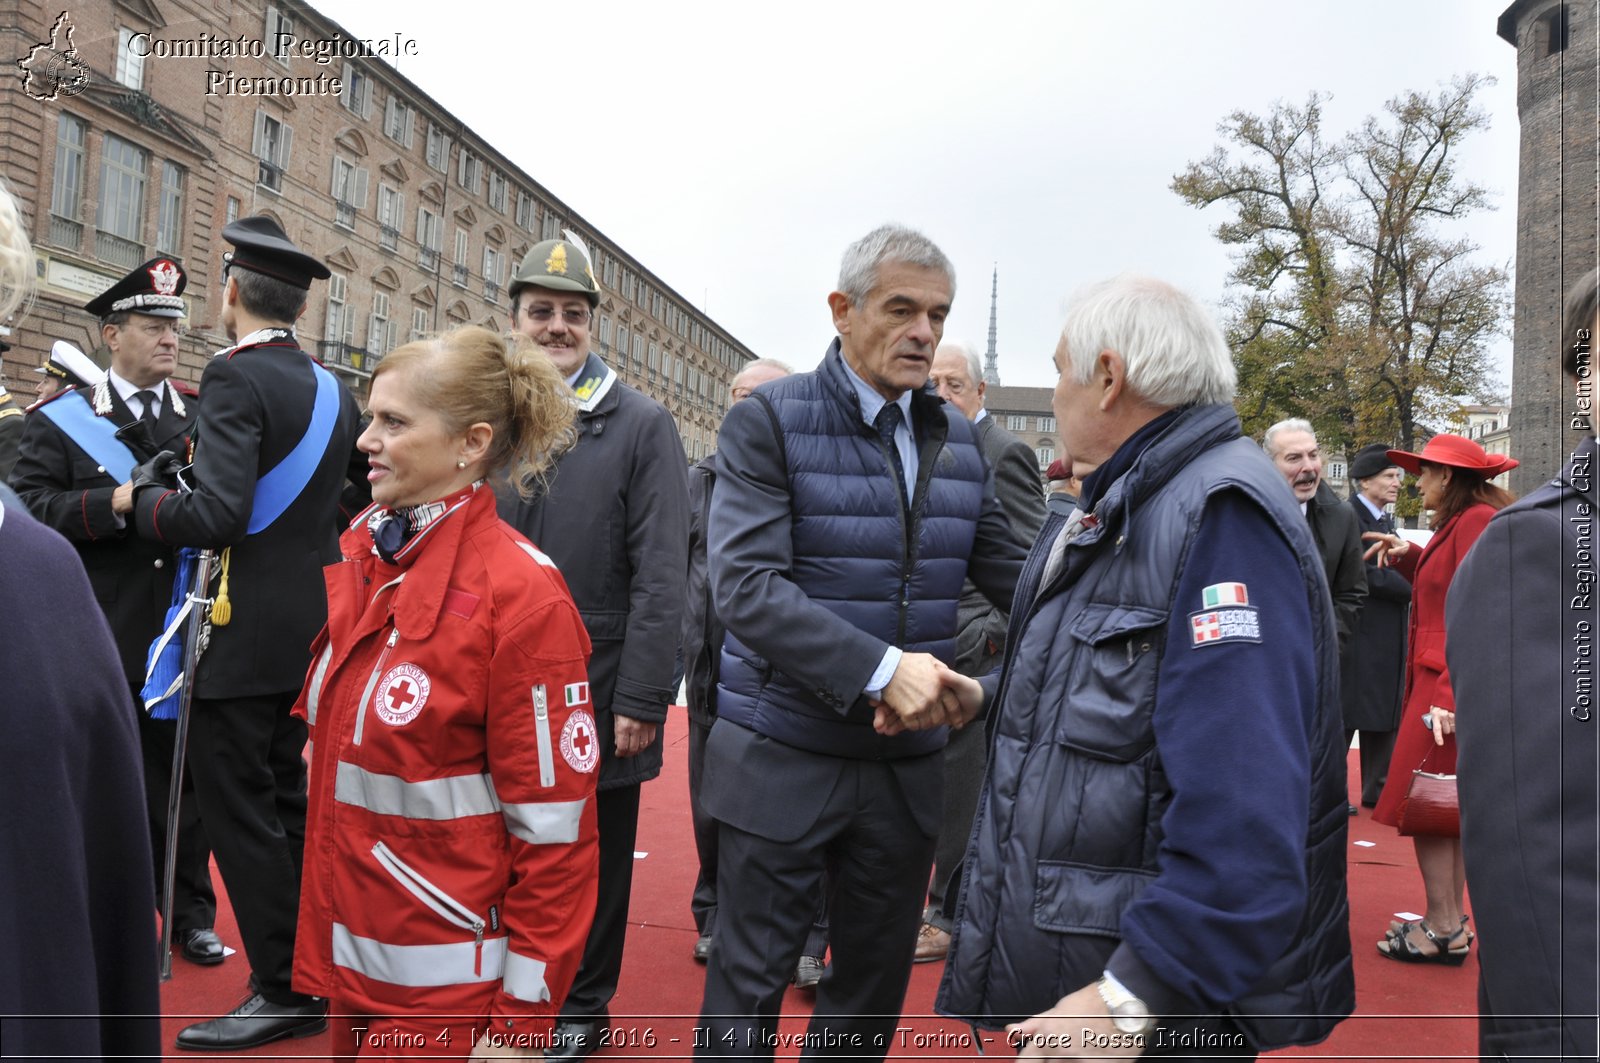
x,y
115,251
428,259
64,232
336,354
459,275
344,215
388,237
491,291
269,177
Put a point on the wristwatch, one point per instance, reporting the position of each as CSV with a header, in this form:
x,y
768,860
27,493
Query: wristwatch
x,y
1129,1014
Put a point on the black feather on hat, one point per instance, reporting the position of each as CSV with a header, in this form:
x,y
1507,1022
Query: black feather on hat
x,y
263,247
1370,461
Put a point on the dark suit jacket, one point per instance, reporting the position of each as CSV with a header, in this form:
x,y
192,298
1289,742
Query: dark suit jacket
x,y
1522,617
258,402
1339,539
1375,660
980,625
68,491
702,631
763,786
10,433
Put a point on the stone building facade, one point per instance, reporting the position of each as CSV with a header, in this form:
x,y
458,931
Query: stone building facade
x,y
145,128
1557,238
1027,414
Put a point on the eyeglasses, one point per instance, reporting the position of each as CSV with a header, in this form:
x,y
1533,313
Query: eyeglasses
x,y
543,315
154,329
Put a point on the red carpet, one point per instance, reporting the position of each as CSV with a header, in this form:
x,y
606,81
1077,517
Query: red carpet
x,y
1404,1011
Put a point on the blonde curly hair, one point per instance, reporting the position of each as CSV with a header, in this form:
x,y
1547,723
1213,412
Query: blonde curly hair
x,y
469,375
16,256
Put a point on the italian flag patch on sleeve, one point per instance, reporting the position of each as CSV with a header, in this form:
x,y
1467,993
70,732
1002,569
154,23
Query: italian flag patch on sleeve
x,y
577,694
1219,594
1225,616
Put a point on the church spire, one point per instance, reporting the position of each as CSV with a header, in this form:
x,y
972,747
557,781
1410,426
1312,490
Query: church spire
x,y
991,366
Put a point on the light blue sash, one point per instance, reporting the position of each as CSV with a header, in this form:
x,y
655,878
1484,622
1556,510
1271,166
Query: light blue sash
x,y
95,436
277,490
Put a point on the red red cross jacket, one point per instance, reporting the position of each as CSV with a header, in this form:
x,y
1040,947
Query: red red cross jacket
x,y
450,857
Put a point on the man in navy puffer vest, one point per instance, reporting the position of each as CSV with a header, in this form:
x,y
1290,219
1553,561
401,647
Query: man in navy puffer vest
x,y
1158,859
848,510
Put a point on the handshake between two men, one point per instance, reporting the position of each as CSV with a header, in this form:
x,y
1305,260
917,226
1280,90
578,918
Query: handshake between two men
x,y
925,692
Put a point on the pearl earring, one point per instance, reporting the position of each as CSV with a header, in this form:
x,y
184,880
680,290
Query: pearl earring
x,y
461,465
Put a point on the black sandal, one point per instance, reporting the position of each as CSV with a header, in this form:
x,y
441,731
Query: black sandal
x,y
1399,946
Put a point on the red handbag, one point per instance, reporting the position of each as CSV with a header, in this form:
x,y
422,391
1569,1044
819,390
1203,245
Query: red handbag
x,y
1431,806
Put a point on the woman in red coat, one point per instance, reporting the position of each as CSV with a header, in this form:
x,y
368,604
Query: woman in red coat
x,y
450,858
1453,479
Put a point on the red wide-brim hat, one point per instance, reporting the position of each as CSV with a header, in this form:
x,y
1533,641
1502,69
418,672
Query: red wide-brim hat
x,y
1458,452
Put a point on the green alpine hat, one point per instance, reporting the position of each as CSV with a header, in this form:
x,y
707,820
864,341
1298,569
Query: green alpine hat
x,y
557,264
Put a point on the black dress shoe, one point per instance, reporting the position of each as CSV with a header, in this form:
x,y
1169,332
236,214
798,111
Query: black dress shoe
x,y
256,1021
1353,810
574,1039
702,948
201,946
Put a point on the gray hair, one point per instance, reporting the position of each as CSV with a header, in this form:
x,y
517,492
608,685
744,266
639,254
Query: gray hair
x,y
764,363
858,273
1269,439
1172,349
970,353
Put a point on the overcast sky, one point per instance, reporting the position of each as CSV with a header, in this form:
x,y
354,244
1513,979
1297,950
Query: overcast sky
x,y
736,148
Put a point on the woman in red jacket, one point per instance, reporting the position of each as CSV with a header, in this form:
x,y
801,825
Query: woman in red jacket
x,y
1453,478
450,858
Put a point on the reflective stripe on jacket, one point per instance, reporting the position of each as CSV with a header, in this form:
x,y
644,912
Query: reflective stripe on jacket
x,y
451,858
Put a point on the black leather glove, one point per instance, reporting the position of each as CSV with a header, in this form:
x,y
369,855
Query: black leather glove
x,y
160,471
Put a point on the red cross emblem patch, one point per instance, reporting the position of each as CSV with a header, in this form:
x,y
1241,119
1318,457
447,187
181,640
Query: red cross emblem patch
x,y
580,745
400,694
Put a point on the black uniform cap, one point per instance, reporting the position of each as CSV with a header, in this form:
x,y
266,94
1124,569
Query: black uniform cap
x,y
263,247
152,288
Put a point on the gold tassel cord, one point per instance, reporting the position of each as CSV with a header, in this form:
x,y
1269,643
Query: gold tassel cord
x,y
222,608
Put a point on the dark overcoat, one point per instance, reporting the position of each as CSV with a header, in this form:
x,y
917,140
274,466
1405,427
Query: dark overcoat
x,y
980,624
76,884
614,517
1521,623
1375,664
1338,539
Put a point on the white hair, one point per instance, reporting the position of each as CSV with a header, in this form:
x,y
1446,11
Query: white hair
x,y
970,353
1173,352
1269,439
763,363
858,272
16,256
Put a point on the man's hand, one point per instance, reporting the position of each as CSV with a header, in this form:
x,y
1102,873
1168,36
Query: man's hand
x,y
160,471
633,736
916,697
968,692
1078,1027
122,499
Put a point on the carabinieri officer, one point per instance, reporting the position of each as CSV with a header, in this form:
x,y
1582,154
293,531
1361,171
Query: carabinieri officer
x,y
77,452
272,451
